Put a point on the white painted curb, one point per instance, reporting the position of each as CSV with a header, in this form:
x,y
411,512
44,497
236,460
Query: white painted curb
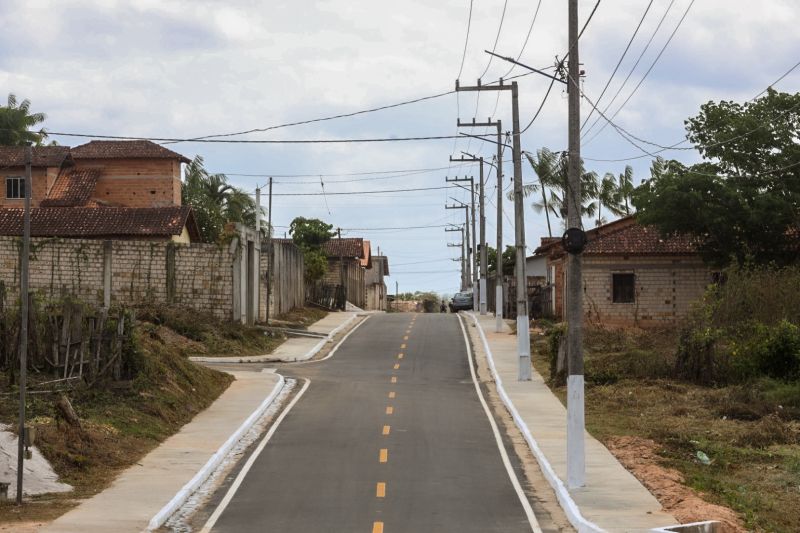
x,y
193,484
267,358
564,498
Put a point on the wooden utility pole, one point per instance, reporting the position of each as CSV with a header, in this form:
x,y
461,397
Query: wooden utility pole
x,y
576,467
23,319
523,337
269,250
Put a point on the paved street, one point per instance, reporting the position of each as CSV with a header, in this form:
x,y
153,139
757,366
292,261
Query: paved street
x,y
389,437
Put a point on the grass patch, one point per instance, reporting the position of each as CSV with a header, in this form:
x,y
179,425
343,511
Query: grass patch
x,y
749,431
302,317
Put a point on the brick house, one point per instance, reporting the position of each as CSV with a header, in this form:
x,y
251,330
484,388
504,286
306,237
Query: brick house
x,y
101,189
631,275
376,286
349,257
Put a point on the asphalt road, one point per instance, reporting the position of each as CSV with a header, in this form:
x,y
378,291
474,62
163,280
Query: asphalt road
x,y
382,442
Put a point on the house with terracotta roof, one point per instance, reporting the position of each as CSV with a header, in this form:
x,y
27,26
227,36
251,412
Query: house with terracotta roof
x,y
101,189
348,259
631,275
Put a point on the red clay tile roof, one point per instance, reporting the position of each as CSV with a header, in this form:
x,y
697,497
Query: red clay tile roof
x,y
347,247
366,259
124,150
43,156
626,237
72,189
102,222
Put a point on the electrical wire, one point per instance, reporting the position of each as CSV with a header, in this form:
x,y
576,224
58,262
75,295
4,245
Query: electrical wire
x,y
348,193
778,80
496,38
624,53
466,41
259,141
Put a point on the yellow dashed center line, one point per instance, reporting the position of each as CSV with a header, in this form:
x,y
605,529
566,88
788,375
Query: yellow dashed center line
x,y
405,338
384,455
396,366
389,410
380,490
386,430
400,355
394,379
377,527
391,394
402,346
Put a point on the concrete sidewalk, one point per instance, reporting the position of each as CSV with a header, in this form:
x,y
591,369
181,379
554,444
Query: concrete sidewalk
x,y
613,499
296,348
142,490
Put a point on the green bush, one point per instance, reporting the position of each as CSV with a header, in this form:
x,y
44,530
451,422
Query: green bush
x,y
776,352
555,336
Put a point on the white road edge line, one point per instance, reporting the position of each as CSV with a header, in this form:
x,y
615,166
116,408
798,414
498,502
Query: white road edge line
x,y
523,499
578,521
334,348
192,485
212,520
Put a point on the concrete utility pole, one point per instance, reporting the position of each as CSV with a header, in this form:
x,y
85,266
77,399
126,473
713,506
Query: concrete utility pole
x,y
341,270
523,337
269,251
258,250
466,208
576,460
498,300
23,320
454,245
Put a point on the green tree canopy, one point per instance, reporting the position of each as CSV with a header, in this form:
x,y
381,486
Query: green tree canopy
x,y
215,202
742,202
309,234
17,121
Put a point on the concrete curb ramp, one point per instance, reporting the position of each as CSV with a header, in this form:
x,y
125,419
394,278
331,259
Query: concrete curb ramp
x,y
295,349
610,467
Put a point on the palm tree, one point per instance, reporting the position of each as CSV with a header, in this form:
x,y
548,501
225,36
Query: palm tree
x,y
552,169
625,189
16,122
608,195
216,202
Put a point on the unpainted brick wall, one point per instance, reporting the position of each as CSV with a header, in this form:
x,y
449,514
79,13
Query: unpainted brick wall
x,y
203,272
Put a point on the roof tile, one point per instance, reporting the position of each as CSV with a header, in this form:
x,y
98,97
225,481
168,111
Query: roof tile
x,y
43,156
72,189
124,150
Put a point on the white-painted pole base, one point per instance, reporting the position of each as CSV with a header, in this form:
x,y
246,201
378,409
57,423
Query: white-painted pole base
x,y
498,308
576,462
523,348
482,285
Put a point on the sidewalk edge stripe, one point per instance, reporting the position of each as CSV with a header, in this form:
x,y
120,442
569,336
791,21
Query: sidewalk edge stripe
x,y
250,460
564,498
523,498
202,474
338,344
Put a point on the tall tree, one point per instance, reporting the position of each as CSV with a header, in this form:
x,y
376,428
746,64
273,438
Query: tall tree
x,y
742,202
608,196
625,189
17,121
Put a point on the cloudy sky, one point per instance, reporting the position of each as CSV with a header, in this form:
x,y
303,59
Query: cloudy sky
x,y
189,68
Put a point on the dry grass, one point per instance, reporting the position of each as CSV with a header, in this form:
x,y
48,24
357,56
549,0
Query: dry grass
x,y
755,456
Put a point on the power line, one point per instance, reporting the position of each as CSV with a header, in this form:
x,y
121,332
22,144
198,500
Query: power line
x,y
778,80
635,64
496,39
624,53
254,141
652,65
344,193
397,228
466,41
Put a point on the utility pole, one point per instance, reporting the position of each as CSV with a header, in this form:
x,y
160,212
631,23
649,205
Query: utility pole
x,y
341,271
258,249
482,243
461,245
523,337
576,460
498,300
269,251
465,207
23,320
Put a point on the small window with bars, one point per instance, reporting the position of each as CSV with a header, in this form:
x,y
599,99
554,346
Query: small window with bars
x,y
623,288
15,187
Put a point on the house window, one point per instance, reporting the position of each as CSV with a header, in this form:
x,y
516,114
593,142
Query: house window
x,y
15,187
623,288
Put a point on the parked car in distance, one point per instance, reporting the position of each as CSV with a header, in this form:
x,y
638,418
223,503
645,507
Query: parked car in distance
x,y
461,301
